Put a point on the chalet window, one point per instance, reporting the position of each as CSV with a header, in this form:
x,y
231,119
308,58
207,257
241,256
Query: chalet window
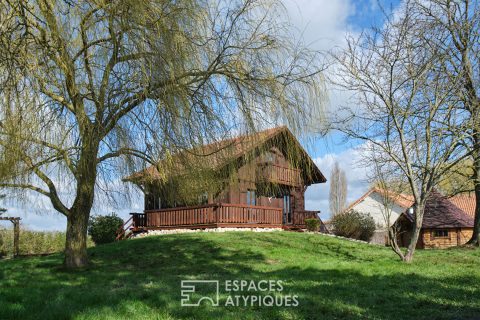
x,y
441,233
251,198
152,201
269,157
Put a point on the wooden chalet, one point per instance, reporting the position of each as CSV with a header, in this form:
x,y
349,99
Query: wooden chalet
x,y
444,225
256,180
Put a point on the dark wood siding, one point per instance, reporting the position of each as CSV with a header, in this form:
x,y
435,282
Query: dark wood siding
x,y
269,175
248,179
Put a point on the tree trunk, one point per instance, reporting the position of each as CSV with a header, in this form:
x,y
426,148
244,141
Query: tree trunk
x,y
392,240
76,242
77,220
418,222
475,240
408,258
16,238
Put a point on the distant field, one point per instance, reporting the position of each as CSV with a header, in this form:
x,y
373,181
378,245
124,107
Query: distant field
x,y
333,279
32,242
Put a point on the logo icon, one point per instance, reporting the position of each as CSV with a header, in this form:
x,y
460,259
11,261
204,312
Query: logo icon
x,y
195,291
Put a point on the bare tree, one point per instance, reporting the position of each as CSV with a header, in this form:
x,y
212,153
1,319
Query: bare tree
x,y
453,28
391,188
95,89
338,190
400,102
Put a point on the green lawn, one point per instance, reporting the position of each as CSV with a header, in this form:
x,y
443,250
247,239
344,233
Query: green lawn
x,y
334,279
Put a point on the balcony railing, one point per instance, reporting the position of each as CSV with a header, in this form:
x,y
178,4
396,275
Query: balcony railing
x,y
209,215
278,174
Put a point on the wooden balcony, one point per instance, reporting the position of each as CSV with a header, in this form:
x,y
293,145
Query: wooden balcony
x,y
268,172
208,216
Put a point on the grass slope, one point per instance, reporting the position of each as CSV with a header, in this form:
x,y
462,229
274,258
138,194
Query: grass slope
x,y
334,279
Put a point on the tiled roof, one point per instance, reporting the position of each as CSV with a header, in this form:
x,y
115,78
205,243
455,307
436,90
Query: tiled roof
x,y
403,200
217,154
466,202
441,213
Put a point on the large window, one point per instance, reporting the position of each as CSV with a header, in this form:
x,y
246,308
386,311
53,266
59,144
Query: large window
x,y
287,209
152,201
269,157
251,198
440,233
203,198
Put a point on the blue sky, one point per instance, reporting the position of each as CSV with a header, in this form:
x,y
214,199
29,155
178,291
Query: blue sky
x,y
323,24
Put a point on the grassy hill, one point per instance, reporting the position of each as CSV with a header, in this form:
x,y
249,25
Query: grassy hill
x,y
140,279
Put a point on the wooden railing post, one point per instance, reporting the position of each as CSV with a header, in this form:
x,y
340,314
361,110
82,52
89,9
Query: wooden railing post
x,y
16,238
217,209
16,233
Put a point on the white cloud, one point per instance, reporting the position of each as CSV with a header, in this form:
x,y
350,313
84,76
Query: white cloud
x,y
322,23
325,25
350,160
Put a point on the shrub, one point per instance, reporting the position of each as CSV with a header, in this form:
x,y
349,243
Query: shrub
x,y
312,224
103,229
354,224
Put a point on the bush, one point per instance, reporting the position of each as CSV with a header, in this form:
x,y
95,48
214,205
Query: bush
x,y
103,229
354,224
312,224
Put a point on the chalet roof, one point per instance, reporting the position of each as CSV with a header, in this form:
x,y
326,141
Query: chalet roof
x,y
403,200
466,202
218,154
442,213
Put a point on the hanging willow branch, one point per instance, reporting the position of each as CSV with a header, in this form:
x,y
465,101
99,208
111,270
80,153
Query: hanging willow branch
x,y
93,90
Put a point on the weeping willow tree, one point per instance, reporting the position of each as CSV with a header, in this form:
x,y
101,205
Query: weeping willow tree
x,y
93,90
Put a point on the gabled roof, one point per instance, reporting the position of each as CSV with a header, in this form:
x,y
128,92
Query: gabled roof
x,y
441,213
403,200
466,202
218,154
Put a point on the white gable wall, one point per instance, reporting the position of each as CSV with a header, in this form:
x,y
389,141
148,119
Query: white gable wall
x,y
373,205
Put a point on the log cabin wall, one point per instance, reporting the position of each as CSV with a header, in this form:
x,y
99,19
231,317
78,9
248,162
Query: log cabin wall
x,y
247,179
465,235
267,172
455,237
299,196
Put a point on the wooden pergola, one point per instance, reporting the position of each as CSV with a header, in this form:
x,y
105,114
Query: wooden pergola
x,y
16,232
